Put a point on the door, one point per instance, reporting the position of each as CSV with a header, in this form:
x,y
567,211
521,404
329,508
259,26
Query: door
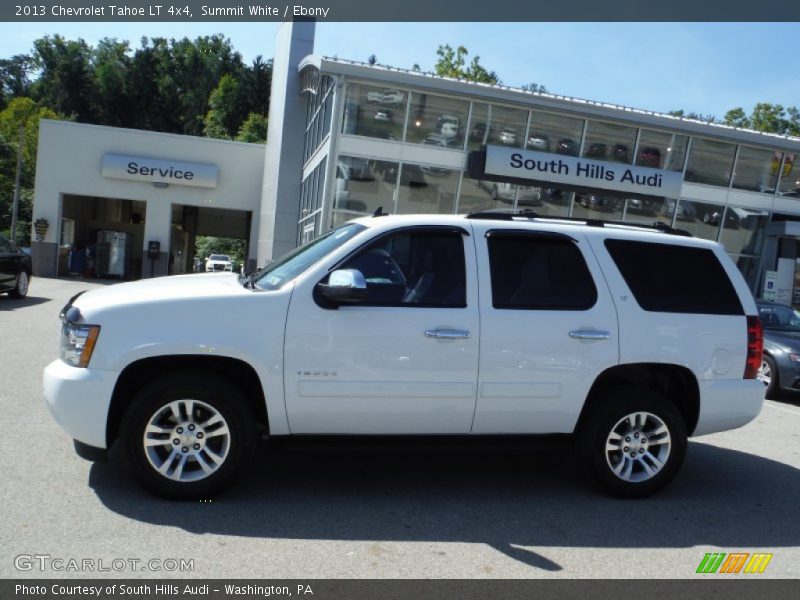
x,y
548,328
8,264
402,361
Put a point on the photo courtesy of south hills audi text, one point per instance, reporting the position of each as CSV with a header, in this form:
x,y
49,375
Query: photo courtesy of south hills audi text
x,y
171,590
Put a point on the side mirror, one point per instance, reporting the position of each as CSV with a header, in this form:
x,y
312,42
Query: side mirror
x,y
345,286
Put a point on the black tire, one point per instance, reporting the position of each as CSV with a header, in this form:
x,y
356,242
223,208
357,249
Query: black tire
x,y
608,411
21,287
774,383
209,391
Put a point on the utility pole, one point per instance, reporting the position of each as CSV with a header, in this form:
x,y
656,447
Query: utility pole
x,y
16,185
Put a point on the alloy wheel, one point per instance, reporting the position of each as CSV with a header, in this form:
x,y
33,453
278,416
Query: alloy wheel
x,y
186,440
638,447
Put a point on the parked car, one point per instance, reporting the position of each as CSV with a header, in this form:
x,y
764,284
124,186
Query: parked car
x,y
448,126
650,157
598,151
507,137
567,146
780,364
539,142
597,202
15,269
394,98
383,115
218,262
478,325
686,210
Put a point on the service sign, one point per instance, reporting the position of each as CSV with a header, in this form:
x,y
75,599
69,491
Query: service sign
x,y
572,171
156,170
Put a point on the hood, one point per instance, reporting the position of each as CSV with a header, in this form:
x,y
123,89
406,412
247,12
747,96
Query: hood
x,y
162,289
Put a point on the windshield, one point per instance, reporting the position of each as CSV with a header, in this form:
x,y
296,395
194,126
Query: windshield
x,y
219,257
275,274
779,317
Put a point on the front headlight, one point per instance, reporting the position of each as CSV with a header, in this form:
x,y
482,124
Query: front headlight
x,y
77,343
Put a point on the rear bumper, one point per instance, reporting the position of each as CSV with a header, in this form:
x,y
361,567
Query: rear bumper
x,y
79,400
728,403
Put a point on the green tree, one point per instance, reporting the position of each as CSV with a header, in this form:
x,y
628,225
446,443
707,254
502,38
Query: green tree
x,y
254,129
112,99
534,87
14,78
20,112
224,117
736,117
65,80
452,63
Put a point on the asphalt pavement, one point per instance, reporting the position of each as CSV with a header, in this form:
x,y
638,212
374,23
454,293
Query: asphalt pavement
x,y
342,512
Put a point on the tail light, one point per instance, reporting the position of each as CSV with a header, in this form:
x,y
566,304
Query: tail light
x,y
755,346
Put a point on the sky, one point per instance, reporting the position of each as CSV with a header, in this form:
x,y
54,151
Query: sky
x,y
707,68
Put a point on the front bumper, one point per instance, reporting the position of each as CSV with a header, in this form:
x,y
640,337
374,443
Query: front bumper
x,y
728,403
79,400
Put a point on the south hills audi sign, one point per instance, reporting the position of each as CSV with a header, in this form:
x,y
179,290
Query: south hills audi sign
x,y
529,167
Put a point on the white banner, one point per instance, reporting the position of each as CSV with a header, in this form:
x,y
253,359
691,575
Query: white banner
x,y
155,170
581,172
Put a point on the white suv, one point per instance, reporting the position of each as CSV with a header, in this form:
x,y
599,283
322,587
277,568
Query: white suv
x,y
631,338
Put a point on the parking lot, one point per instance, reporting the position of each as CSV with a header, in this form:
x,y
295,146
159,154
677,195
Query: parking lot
x,y
425,512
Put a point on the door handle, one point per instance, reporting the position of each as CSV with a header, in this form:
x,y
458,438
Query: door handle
x,y
447,334
589,334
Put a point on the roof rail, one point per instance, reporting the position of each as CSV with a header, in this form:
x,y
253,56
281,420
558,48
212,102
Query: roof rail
x,y
529,214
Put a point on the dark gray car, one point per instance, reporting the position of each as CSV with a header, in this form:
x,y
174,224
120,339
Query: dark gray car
x,y
780,363
15,269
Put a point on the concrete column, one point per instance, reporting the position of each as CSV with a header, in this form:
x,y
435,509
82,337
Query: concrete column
x,y
157,226
280,193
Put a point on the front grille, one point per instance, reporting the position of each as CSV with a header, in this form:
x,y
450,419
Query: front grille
x,y
219,267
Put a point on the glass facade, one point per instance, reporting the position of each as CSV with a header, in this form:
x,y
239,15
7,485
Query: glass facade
x,y
606,141
426,189
550,132
757,169
437,120
661,150
500,125
407,183
790,176
374,111
710,162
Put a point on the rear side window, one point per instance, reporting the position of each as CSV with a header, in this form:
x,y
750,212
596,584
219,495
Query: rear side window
x,y
538,273
677,279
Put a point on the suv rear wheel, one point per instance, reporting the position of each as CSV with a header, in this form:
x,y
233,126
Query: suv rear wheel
x,y
188,435
632,441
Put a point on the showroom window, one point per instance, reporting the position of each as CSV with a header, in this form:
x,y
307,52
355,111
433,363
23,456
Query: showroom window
x,y
318,117
420,268
374,111
437,120
647,211
549,132
598,205
698,218
757,169
790,176
607,141
743,230
499,125
661,150
426,189
710,162
363,185
538,271
478,195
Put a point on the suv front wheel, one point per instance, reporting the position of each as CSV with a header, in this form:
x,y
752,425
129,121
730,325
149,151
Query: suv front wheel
x,y
188,435
632,441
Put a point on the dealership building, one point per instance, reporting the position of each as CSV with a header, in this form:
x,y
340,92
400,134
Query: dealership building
x,y
347,138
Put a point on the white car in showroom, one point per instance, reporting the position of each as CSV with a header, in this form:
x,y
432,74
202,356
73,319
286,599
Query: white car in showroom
x,y
218,262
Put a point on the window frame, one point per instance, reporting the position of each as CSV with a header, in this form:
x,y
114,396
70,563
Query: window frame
x,y
411,229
